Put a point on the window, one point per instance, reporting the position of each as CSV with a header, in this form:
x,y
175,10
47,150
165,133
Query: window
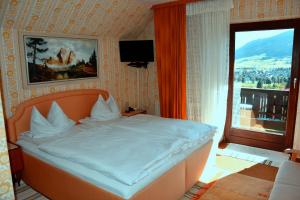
x,y
264,62
262,75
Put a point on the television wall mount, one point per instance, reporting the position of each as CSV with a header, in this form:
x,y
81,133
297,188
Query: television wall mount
x,y
138,64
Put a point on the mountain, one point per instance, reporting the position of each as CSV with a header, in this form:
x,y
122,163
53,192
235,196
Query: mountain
x,y
278,46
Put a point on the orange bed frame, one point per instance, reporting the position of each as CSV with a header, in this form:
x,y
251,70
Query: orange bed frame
x,y
58,184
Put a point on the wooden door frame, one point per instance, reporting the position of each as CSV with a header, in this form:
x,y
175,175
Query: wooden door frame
x,y
264,140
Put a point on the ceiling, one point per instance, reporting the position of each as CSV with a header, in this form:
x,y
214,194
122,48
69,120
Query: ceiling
x,y
105,18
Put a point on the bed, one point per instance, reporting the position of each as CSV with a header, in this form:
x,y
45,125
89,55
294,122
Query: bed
x,y
58,178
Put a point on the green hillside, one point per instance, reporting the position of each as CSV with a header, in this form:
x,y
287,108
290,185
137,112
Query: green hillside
x,y
278,46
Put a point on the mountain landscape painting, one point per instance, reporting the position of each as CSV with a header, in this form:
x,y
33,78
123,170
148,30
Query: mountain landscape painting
x,y
263,59
50,59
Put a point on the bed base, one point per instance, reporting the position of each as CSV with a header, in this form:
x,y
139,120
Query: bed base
x,y
57,184
61,185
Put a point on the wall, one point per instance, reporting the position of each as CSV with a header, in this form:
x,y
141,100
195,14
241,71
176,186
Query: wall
x,y
108,18
262,10
149,75
119,79
6,188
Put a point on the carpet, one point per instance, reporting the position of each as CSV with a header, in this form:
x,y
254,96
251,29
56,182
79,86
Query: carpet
x,y
24,192
234,187
269,173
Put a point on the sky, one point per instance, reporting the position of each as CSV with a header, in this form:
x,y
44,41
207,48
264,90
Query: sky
x,y
242,38
83,48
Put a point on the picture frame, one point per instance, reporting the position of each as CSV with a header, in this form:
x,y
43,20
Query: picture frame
x,y
48,60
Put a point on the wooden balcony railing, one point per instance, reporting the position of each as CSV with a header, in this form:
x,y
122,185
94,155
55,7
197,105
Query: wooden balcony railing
x,y
267,104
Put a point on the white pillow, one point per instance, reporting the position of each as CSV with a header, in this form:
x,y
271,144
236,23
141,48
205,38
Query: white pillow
x,y
59,119
39,125
101,111
113,106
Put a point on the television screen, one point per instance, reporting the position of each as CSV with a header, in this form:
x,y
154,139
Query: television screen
x,y
136,51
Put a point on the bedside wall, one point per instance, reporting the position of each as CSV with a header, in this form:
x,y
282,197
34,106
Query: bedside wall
x,y
117,78
149,76
6,187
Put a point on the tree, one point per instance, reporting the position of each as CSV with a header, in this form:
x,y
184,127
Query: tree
x,y
34,44
278,79
288,84
268,81
243,79
93,59
259,84
273,79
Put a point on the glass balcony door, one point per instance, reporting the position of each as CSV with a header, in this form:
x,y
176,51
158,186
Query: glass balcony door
x,y
264,62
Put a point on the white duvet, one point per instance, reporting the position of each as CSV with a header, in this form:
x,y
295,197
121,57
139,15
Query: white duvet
x,y
127,150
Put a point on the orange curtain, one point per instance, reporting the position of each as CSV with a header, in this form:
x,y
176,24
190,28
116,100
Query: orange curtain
x,y
170,41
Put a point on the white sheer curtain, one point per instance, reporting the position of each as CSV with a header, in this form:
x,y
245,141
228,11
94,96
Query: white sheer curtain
x,y
208,62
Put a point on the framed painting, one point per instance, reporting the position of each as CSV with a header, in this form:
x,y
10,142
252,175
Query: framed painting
x,y
50,60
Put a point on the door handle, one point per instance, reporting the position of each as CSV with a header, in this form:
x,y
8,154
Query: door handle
x,y
295,82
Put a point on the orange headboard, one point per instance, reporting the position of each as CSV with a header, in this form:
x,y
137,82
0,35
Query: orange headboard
x,y
76,104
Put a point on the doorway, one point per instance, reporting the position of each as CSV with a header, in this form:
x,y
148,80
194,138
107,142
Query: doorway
x,y
263,83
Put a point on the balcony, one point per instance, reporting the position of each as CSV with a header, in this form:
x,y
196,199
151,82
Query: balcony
x,y
263,110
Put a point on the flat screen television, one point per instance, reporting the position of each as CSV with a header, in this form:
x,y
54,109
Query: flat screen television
x,y
136,51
